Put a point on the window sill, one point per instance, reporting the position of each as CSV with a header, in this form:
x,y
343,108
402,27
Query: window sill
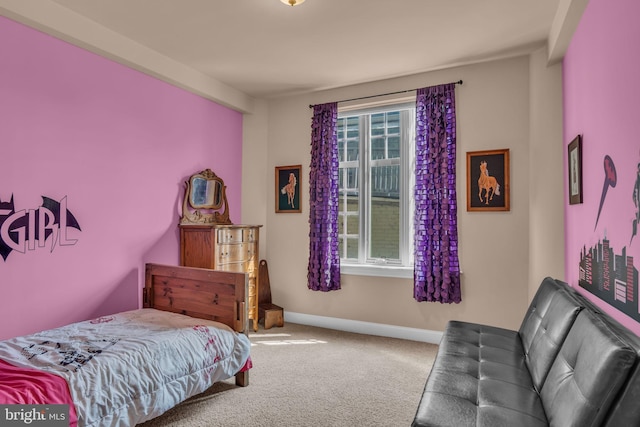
x,y
376,270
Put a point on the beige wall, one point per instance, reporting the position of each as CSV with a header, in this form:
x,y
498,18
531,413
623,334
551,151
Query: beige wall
x,y
255,171
494,111
546,178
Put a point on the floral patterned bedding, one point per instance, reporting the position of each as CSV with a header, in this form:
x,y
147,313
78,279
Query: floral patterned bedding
x,y
122,369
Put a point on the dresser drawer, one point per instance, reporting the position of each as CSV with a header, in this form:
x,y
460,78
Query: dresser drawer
x,y
234,253
250,235
236,267
237,235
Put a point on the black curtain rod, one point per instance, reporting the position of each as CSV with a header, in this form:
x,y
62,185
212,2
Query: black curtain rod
x,y
459,82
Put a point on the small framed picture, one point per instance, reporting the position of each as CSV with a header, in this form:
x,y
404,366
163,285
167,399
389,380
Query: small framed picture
x,y
575,170
488,180
288,189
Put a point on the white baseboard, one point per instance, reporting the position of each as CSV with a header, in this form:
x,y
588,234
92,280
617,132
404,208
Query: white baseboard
x,y
368,328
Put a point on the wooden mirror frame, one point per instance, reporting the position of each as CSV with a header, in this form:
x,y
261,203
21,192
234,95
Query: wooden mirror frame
x,y
201,205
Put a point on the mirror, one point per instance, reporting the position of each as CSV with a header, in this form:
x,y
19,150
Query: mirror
x,y
205,195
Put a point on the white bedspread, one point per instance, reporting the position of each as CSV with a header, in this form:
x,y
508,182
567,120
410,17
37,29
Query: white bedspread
x,y
133,366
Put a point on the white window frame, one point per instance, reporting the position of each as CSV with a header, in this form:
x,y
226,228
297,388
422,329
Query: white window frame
x,y
380,267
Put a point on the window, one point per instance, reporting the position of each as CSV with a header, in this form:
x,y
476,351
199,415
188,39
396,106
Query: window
x,y
376,151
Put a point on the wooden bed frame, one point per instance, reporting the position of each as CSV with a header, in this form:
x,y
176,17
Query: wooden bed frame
x,y
201,293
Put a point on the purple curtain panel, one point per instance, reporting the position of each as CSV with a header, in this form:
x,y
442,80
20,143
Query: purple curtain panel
x,y
324,255
436,269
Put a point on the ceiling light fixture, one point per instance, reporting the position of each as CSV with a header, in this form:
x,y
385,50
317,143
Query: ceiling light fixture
x,y
292,2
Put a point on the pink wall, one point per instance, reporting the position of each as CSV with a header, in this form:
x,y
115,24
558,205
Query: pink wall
x,y
118,145
601,102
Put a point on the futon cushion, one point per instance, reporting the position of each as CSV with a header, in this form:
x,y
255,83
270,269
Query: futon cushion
x,y
591,366
479,378
545,326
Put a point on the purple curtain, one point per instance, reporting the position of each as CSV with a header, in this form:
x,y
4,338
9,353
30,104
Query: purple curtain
x,y
436,271
324,256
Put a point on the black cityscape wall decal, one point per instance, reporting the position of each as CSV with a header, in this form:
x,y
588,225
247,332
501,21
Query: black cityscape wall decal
x,y
611,277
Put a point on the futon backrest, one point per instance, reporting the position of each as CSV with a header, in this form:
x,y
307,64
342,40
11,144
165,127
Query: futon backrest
x,y
590,369
625,408
545,326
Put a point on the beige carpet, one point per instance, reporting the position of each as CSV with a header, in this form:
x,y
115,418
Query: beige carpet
x,y
308,376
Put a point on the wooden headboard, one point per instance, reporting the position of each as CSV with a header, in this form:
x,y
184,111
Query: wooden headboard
x,y
198,292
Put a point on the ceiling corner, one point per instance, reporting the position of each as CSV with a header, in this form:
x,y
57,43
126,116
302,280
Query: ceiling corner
x,y
564,25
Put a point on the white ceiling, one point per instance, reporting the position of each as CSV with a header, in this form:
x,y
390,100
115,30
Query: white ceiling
x,y
264,48
235,51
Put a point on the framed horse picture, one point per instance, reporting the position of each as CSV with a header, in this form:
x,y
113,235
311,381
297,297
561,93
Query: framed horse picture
x,y
288,189
488,180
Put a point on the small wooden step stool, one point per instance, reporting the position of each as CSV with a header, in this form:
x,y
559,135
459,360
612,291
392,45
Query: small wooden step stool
x,y
273,315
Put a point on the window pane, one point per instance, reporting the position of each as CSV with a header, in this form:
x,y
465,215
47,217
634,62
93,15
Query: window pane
x,y
353,224
393,143
377,124
352,204
348,180
352,248
393,123
348,138
385,228
353,127
377,148
353,148
385,181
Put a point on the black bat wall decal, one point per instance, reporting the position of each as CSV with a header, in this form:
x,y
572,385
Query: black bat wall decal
x,y
25,226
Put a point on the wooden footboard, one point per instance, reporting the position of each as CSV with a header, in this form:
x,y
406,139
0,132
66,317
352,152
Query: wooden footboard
x,y
201,293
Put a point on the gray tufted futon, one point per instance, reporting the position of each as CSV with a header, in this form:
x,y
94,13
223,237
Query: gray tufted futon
x,y
569,364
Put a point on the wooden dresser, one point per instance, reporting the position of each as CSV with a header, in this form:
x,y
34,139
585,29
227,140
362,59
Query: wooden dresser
x,y
224,247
